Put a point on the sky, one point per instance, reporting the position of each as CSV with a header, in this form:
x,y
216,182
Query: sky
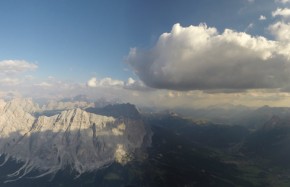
x,y
165,53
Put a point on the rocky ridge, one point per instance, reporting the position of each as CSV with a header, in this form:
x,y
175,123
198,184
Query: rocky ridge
x,y
73,139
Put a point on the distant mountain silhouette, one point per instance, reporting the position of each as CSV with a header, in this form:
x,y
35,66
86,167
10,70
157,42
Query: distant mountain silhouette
x,y
117,110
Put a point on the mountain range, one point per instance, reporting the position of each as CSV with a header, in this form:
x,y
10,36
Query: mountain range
x,y
82,143
72,138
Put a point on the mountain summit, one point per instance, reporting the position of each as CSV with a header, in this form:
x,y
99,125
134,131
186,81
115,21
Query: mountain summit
x,y
73,139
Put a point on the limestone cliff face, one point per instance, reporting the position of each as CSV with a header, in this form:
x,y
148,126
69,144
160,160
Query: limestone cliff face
x,y
26,105
14,118
73,138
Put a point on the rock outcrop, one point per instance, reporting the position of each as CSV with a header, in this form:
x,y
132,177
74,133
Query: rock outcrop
x,y
71,139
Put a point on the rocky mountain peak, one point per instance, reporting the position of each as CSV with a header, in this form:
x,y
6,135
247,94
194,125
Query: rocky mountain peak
x,y
73,138
26,104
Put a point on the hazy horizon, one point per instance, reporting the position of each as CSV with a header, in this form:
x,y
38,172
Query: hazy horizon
x,y
172,54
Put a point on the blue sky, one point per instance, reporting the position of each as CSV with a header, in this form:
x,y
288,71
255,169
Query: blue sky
x,y
73,42
73,39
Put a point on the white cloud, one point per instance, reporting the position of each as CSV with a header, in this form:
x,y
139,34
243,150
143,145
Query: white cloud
x,y
137,85
249,27
15,66
200,58
108,81
285,12
281,31
262,17
29,77
44,84
130,81
154,98
10,81
12,72
92,82
282,1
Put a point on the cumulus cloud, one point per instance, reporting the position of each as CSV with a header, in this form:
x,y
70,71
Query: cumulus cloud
x,y
130,81
283,12
137,85
92,82
111,82
200,58
130,84
262,17
281,31
108,81
16,66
